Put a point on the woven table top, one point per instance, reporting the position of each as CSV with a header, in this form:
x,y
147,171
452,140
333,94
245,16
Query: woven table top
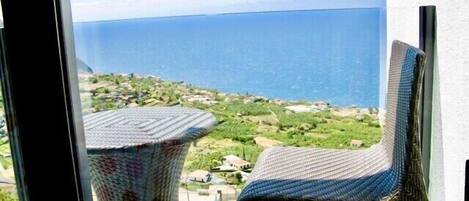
x,y
131,127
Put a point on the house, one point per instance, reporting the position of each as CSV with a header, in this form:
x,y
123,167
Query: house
x,y
236,162
356,143
200,176
205,99
224,168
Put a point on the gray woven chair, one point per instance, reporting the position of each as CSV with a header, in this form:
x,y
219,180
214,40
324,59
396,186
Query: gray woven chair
x,y
390,170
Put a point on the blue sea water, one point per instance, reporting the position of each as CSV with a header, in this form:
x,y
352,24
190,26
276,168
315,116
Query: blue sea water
x,y
330,55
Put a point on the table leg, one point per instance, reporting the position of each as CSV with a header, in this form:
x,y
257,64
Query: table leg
x,y
148,174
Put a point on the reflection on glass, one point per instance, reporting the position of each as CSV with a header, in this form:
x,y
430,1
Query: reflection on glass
x,y
7,174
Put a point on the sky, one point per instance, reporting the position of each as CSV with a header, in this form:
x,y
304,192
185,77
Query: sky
x,y
99,10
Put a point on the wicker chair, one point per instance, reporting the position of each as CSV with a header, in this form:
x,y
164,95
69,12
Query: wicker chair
x,y
390,170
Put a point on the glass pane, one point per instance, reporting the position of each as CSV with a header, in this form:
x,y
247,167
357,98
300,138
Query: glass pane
x,y
8,191
7,174
272,75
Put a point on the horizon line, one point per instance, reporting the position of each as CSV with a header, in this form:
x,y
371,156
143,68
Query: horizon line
x,y
219,14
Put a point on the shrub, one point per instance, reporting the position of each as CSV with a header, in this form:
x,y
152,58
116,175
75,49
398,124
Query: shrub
x,y
93,80
374,124
5,196
206,161
234,129
253,109
296,120
102,90
235,178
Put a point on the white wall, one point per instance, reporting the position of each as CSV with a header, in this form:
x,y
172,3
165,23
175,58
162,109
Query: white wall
x,y
450,142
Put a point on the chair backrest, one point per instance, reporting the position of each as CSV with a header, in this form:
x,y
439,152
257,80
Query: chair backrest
x,y
401,130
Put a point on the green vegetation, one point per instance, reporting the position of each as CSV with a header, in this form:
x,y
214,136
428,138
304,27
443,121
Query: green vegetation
x,y
109,91
5,196
241,119
192,186
234,129
205,158
5,153
240,108
5,161
6,164
299,121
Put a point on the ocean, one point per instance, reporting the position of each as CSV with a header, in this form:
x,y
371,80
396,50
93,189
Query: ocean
x,y
330,55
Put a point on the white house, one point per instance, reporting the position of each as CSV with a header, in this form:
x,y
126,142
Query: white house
x,y
236,162
200,176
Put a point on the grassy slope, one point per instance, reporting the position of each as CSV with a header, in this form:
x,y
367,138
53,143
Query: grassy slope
x,y
239,121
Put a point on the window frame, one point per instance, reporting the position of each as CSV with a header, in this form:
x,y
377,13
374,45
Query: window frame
x,y
427,41
48,41
43,119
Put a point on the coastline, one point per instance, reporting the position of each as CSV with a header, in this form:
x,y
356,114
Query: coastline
x,y
241,118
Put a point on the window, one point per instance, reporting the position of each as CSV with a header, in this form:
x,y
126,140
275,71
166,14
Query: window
x,y
269,76
41,127
7,173
228,100
8,190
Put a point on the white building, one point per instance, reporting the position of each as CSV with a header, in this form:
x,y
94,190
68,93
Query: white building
x,y
200,176
205,99
236,162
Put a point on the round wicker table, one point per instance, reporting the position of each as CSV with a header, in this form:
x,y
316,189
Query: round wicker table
x,y
137,154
